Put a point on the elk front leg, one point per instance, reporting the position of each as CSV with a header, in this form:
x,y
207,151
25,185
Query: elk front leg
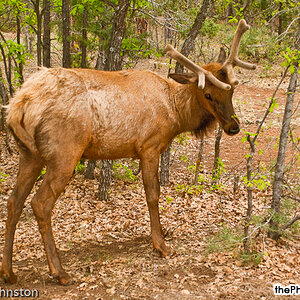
x,y
150,163
29,170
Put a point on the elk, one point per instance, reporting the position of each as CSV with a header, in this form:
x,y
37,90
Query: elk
x,y
61,115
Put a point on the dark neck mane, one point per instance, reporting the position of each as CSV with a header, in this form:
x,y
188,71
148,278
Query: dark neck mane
x,y
192,116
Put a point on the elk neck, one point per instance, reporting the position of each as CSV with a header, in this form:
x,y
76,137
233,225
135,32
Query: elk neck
x,y
192,115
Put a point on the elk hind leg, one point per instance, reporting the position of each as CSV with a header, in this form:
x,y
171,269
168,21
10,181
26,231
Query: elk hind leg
x,y
58,174
29,169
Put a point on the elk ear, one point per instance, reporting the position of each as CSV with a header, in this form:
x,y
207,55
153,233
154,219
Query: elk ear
x,y
184,78
222,56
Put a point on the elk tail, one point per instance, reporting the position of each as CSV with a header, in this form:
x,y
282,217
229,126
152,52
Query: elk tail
x,y
15,121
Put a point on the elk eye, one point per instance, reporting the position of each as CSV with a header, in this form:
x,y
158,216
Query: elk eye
x,y
208,96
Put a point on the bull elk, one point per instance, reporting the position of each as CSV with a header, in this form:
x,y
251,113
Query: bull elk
x,y
61,115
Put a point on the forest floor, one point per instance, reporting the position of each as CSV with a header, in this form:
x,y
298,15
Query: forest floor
x,y
106,247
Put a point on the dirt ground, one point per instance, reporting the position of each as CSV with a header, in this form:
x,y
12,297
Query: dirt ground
x,y
107,249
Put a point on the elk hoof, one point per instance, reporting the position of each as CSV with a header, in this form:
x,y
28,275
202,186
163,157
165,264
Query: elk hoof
x,y
163,250
63,279
8,277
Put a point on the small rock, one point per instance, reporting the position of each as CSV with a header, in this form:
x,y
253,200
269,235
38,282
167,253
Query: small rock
x,y
185,292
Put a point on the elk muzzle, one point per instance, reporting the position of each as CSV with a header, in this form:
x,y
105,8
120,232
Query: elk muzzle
x,y
233,127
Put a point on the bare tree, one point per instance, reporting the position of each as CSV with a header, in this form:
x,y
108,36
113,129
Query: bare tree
x,y
284,135
46,35
113,54
66,60
38,31
189,42
215,170
199,159
84,37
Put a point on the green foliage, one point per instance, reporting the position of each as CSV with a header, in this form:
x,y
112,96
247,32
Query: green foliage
x,y
216,176
292,57
210,28
225,240
43,172
189,189
239,14
168,201
247,135
273,105
2,176
259,181
80,167
124,172
182,138
251,258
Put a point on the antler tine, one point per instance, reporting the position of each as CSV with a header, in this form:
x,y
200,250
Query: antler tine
x,y
233,59
202,73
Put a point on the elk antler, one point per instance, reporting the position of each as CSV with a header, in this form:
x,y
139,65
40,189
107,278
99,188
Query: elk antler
x,y
202,73
233,59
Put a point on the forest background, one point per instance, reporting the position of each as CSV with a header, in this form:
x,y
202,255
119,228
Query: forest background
x,y
115,35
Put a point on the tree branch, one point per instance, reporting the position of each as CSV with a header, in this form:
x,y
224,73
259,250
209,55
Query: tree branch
x,y
290,223
113,5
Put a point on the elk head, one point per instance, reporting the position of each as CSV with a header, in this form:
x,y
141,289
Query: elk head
x,y
216,81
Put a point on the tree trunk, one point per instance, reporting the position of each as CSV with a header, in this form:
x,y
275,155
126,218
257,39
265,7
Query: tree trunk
x,y
28,39
280,20
4,97
38,32
90,169
189,43
46,36
113,55
20,64
113,63
246,240
66,60
284,135
279,171
84,37
165,167
199,159
105,180
215,176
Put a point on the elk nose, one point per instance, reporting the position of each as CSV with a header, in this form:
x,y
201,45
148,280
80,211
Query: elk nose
x,y
233,131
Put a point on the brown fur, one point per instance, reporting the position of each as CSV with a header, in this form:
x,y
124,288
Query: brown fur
x,y
61,115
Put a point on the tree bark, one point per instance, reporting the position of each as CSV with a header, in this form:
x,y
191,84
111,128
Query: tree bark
x,y
66,60
105,180
113,55
3,127
279,171
215,178
47,35
246,240
199,159
189,43
38,31
284,136
4,96
20,64
113,63
84,37
90,169
165,167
